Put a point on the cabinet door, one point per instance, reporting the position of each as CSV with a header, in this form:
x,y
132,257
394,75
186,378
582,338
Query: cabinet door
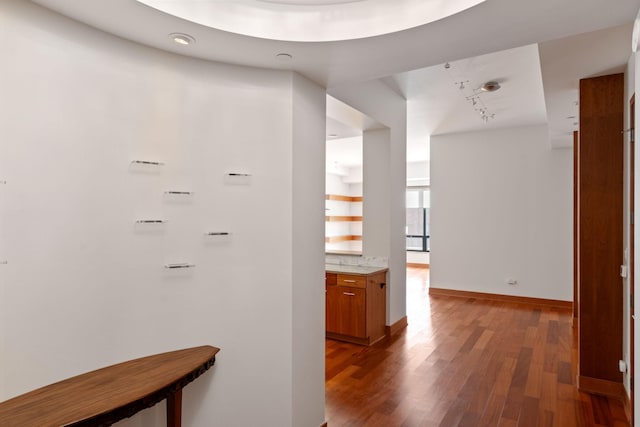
x,y
332,295
351,311
376,306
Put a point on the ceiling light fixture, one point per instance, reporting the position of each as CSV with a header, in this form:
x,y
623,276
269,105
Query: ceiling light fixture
x,y
473,95
490,86
461,84
182,39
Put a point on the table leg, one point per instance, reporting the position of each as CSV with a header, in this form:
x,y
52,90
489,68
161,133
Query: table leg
x,y
174,409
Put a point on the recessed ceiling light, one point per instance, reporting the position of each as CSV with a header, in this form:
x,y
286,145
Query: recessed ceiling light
x,y
284,57
181,38
490,86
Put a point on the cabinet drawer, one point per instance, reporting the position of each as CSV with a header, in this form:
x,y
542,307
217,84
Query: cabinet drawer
x,y
353,281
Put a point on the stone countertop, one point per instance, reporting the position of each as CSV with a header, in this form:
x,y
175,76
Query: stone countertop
x,y
353,269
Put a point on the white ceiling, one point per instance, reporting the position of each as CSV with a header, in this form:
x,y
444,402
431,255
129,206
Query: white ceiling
x,y
437,105
566,61
537,50
344,153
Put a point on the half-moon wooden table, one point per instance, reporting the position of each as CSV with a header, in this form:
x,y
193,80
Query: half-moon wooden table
x,y
108,395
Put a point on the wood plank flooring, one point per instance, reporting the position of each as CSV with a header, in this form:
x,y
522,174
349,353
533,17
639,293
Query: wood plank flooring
x,y
464,362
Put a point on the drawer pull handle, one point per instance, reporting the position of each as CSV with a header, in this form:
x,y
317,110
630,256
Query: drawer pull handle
x,y
348,281
349,294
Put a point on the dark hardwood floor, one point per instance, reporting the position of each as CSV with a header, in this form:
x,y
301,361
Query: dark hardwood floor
x,y
464,362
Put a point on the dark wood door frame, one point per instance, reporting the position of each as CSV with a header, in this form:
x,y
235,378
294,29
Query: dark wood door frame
x,y
601,234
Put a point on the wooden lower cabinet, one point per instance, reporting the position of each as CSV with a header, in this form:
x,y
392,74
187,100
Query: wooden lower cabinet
x,y
351,313
356,307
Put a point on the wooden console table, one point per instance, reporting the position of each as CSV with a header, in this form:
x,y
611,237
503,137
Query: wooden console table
x,y
108,395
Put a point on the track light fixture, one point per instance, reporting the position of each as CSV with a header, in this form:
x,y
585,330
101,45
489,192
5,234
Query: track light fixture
x,y
473,96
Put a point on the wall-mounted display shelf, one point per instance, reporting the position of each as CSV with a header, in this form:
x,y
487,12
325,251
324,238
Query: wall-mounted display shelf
x,y
217,233
151,221
178,193
237,178
146,162
179,266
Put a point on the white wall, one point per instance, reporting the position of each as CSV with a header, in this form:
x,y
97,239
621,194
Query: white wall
x,y
376,230
85,287
414,257
418,173
501,207
633,81
381,103
308,276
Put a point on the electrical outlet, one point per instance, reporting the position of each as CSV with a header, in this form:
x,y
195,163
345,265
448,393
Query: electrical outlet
x,y
622,366
624,271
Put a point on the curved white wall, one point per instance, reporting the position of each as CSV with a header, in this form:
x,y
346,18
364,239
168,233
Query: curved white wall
x,y
85,287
